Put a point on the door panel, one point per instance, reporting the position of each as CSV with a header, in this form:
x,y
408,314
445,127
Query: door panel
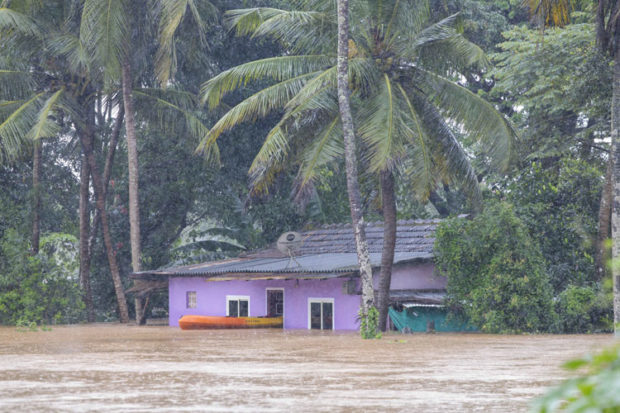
x,y
328,313
315,316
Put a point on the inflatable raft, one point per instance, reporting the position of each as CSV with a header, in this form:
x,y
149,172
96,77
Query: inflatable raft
x,y
195,322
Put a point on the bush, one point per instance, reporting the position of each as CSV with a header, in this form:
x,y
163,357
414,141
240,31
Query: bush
x,y
496,273
35,288
584,310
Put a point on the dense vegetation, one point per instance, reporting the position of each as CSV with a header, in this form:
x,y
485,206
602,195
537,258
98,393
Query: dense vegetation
x,y
426,112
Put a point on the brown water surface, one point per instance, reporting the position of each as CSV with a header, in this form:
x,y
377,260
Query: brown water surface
x,y
128,368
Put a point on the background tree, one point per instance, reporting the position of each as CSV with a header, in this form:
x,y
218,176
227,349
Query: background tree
x,y
496,274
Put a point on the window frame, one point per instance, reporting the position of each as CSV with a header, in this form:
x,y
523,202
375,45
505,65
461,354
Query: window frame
x,y
322,300
237,298
191,297
267,298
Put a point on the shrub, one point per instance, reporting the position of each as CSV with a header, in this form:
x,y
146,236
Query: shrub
x,y
35,288
496,273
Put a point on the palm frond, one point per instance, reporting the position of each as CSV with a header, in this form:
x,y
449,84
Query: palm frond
x,y
246,21
273,68
269,160
12,21
166,105
46,127
319,93
383,129
421,165
327,148
15,127
70,46
15,84
453,53
440,45
408,18
479,118
307,31
313,95
441,30
258,105
451,163
104,31
172,13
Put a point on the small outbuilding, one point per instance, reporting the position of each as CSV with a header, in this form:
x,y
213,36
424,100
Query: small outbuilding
x,y
316,287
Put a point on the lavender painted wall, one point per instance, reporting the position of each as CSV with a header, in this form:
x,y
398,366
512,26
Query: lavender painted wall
x,y
211,299
414,277
211,295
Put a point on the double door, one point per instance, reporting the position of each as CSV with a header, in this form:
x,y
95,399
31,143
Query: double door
x,y
321,314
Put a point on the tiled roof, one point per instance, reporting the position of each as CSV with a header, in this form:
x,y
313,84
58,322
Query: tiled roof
x,y
329,250
411,236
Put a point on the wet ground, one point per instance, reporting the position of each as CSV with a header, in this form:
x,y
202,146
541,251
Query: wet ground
x,y
128,368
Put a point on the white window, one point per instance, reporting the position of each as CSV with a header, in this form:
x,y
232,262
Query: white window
x,y
190,299
237,306
321,313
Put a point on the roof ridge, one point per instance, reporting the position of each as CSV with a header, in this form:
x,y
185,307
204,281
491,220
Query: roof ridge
x,y
379,223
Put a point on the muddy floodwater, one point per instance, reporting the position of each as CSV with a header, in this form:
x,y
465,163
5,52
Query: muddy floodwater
x,y
129,368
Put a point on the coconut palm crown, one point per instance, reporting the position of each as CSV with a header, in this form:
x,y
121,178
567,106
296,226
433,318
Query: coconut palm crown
x,y
405,98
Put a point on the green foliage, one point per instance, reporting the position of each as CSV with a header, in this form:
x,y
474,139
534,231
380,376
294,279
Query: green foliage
x,y
584,310
402,68
495,272
35,289
369,324
596,390
559,206
560,84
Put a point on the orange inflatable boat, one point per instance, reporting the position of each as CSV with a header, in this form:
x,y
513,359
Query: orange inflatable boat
x,y
195,322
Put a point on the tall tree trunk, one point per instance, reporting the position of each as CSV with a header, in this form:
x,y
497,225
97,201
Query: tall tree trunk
x,y
615,219
107,172
604,222
351,158
87,139
134,204
388,201
87,296
36,191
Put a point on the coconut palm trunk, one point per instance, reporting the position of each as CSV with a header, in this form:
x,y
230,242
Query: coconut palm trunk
x,y
615,220
87,296
86,139
134,204
351,158
36,190
389,243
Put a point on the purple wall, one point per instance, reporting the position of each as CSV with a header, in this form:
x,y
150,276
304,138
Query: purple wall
x,y
211,295
414,277
211,299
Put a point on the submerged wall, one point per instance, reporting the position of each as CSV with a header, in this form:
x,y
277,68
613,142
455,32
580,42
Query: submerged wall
x,y
414,276
211,299
211,295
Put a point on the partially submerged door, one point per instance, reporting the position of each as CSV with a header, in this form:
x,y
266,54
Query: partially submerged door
x,y
275,302
321,314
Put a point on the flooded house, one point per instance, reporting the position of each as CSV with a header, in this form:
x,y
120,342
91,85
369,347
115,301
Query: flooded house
x,y
313,283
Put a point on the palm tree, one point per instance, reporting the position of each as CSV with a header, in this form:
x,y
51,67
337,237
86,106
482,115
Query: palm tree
x,y
355,201
41,97
105,29
405,99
